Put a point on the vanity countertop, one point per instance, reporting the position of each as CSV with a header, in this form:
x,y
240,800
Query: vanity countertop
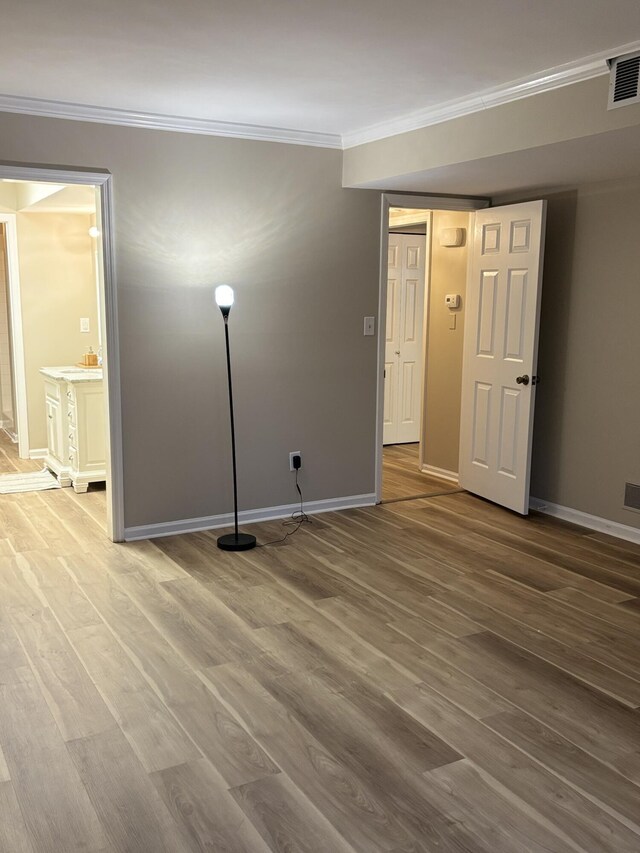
x,y
73,374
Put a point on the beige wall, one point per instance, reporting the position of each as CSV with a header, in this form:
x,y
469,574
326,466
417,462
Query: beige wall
x,y
587,426
273,221
441,422
57,286
7,415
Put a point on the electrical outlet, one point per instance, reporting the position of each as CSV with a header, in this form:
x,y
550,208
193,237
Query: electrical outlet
x,y
291,455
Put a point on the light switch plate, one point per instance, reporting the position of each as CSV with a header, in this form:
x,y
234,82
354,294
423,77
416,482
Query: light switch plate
x,y
84,324
369,325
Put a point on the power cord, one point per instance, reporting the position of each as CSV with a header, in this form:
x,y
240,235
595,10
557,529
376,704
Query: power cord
x,y
296,521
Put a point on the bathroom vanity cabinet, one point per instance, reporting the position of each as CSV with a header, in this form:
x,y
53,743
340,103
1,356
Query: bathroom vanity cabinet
x,y
76,429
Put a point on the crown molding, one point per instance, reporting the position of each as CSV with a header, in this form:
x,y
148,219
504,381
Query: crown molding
x,y
157,121
586,68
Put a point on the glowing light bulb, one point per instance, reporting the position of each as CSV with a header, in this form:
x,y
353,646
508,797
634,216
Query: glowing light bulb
x,y
224,296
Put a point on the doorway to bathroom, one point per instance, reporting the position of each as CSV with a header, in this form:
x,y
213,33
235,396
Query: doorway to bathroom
x,y
57,348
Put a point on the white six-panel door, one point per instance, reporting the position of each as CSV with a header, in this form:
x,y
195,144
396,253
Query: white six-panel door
x,y
500,353
404,331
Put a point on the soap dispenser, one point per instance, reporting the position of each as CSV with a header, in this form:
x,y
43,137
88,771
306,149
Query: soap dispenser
x,y
90,359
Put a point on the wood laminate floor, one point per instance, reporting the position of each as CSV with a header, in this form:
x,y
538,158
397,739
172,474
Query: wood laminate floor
x,y
10,462
401,478
437,675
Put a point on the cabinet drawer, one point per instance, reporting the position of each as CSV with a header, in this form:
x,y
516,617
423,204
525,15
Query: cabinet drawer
x,y
52,389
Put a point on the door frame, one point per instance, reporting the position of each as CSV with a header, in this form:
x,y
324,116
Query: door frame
x,y
422,202
103,181
21,416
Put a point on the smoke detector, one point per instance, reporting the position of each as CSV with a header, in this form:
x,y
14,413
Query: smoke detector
x,y
624,85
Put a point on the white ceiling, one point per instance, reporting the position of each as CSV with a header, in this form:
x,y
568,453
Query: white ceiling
x,y
335,66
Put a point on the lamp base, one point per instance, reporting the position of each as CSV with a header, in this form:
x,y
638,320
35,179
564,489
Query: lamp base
x,y
241,542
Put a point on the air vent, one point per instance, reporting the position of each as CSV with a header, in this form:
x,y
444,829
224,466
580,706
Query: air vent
x,y
632,496
624,86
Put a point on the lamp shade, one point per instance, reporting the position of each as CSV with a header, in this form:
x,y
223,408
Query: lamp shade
x,y
224,296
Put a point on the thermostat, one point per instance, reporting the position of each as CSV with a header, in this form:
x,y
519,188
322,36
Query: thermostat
x,y
452,300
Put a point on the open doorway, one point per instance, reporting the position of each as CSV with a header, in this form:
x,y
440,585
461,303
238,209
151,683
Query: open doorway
x,y
408,269
425,246
56,341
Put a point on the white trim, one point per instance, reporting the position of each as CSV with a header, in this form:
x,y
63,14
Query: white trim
x,y
17,337
584,519
425,336
38,453
586,68
424,202
248,516
436,202
113,406
441,473
409,219
111,362
158,121
382,325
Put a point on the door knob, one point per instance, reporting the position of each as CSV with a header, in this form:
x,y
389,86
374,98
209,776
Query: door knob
x,y
522,380
397,352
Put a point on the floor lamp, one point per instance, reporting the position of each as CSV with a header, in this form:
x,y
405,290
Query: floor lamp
x,y
231,541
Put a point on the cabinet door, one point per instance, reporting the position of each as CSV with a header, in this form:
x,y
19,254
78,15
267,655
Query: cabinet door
x,y
54,428
90,428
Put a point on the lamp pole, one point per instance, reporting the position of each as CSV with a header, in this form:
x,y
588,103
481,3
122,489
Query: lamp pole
x,y
235,541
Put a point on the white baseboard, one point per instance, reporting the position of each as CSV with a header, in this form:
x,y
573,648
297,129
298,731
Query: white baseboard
x,y
38,453
593,522
442,473
248,516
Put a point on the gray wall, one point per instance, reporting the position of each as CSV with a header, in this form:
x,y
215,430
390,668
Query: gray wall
x,y
273,221
587,426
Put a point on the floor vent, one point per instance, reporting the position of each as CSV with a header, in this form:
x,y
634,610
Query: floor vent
x,y
624,86
632,496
